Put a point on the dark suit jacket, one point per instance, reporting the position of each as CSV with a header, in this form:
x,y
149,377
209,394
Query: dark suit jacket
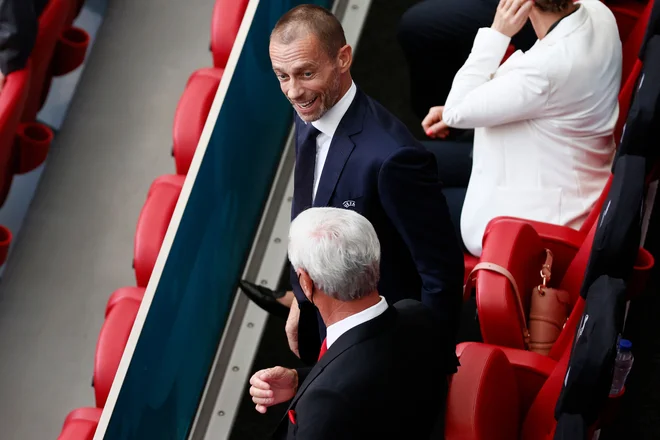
x,y
375,167
379,380
18,32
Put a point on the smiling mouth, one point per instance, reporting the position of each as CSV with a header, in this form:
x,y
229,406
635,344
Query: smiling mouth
x,y
308,104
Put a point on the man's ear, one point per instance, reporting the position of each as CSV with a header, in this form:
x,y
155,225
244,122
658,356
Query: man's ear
x,y
345,58
306,283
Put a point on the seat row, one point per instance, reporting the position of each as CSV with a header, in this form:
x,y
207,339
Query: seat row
x,y
59,49
123,305
500,368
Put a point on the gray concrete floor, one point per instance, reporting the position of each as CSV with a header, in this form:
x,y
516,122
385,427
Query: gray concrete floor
x,y
75,246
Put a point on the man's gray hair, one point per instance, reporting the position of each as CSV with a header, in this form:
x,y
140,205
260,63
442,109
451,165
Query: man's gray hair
x,y
339,249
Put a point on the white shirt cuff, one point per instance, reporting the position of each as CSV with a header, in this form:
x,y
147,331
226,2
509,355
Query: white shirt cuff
x,y
492,43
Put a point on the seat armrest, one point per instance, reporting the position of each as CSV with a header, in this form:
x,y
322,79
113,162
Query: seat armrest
x,y
531,370
482,403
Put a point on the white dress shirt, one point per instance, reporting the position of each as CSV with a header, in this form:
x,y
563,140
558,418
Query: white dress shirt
x,y
339,328
543,145
327,125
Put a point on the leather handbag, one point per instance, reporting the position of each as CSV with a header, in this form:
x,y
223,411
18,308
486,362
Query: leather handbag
x,y
548,312
549,307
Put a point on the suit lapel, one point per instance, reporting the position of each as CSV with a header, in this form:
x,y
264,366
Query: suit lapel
x,y
352,337
341,148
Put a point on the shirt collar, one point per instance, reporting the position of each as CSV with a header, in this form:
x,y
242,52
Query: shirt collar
x,y
566,25
337,329
329,122
554,25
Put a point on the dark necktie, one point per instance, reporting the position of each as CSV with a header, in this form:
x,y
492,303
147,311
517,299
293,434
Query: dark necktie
x,y
305,165
324,348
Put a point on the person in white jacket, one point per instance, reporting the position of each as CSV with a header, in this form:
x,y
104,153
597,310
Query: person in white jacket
x,y
543,119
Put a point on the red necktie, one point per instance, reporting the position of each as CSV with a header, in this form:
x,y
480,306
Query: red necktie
x,y
324,348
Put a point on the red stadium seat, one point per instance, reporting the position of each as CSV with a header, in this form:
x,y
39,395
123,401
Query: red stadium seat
x,y
633,40
110,346
191,113
153,223
507,393
125,293
501,393
12,100
51,24
80,424
226,20
627,13
516,245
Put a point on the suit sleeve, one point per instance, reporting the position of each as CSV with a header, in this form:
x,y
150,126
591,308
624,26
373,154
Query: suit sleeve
x,y
478,99
412,197
327,416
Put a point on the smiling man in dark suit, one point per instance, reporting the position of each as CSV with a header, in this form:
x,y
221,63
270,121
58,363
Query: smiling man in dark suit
x,y
352,153
377,373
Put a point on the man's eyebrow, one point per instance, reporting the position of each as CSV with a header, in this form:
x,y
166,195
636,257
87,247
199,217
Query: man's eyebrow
x,y
298,67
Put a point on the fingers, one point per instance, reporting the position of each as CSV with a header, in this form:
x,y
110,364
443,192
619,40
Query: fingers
x,y
260,393
438,130
257,380
515,5
261,409
524,10
512,6
434,115
264,401
505,4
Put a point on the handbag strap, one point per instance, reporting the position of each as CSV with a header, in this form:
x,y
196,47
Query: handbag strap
x,y
546,269
492,267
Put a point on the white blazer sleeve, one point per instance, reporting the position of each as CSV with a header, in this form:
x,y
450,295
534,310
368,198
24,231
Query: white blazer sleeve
x,y
478,99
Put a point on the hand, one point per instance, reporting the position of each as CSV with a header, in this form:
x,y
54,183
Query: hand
x,y
273,386
2,80
433,125
511,16
291,327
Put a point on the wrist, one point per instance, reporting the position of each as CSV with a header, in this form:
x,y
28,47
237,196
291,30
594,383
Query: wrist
x,y
500,30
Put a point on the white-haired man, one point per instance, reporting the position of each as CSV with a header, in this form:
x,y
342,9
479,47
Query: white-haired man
x,y
372,377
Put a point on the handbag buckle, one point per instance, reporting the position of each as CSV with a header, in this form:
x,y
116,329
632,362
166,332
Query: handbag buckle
x,y
545,276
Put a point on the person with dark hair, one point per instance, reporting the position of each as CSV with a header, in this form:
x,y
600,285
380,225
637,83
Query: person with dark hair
x,y
376,356
351,153
18,33
543,119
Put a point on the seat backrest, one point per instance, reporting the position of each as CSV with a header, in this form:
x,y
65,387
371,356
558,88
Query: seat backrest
x,y
517,247
226,21
633,42
598,206
191,114
110,346
51,24
572,283
625,99
540,423
151,228
12,101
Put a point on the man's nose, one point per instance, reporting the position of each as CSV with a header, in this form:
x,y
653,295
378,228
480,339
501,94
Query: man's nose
x,y
294,91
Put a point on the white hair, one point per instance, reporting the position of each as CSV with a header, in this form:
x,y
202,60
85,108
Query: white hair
x,y
339,250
